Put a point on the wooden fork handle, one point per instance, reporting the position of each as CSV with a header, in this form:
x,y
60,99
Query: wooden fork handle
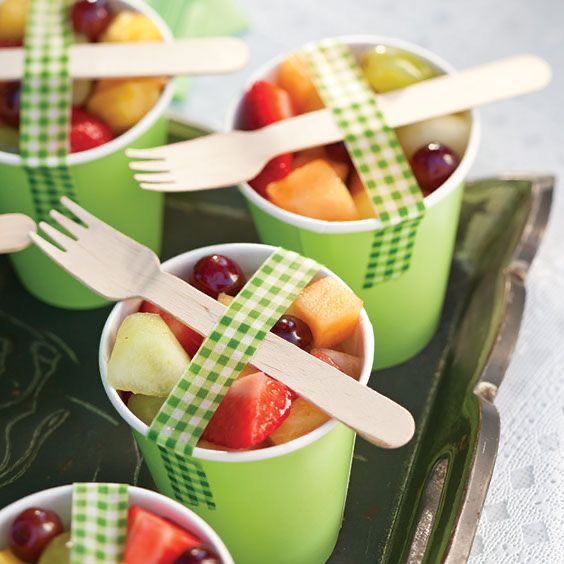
x,y
372,415
438,96
212,55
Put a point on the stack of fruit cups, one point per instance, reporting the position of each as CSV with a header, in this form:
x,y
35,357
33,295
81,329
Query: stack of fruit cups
x,y
277,504
102,180
404,311
157,529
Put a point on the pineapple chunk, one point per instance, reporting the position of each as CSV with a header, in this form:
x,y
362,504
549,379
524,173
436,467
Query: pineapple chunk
x,y
331,310
314,190
13,16
304,157
293,76
122,103
146,358
145,408
131,26
225,299
361,198
304,417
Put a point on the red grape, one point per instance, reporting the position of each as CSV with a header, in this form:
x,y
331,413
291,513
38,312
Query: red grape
x,y
294,331
91,17
198,555
432,164
215,274
32,530
10,95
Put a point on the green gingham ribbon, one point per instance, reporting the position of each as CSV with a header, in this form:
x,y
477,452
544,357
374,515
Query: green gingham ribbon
x,y
99,523
376,154
230,346
45,105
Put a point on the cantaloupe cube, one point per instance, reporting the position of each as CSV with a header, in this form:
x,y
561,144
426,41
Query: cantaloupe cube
x,y
331,310
146,358
304,417
361,198
13,17
314,190
306,156
293,76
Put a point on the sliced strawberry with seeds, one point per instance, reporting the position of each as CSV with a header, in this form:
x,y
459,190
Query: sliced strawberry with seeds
x,y
188,338
263,104
87,131
153,539
275,169
254,407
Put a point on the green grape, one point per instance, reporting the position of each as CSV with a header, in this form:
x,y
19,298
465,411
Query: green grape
x,y
390,68
145,407
57,551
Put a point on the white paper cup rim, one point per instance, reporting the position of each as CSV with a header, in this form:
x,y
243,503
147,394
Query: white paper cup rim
x,y
225,456
131,135
361,225
180,514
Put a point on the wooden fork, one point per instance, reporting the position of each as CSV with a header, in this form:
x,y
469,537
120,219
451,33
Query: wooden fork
x,y
224,159
210,55
117,267
14,232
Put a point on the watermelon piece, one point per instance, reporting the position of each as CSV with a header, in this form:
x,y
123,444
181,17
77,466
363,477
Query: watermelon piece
x,y
153,539
252,409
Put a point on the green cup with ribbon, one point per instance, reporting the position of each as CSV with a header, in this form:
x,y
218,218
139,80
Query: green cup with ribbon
x,y
41,169
280,501
98,523
392,243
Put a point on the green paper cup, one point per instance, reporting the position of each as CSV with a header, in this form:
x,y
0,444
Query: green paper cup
x,y
104,185
282,504
60,500
404,312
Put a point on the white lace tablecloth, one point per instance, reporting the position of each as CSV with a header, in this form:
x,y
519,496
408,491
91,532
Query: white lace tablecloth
x,y
523,519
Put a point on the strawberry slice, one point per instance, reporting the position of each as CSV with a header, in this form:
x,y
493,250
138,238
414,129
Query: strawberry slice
x,y
188,338
275,169
87,131
318,353
151,538
254,407
263,104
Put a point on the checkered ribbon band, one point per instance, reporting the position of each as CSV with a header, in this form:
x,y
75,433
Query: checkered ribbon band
x,y
45,104
376,154
223,355
99,523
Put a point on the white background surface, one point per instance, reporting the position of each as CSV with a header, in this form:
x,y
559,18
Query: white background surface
x,y
523,520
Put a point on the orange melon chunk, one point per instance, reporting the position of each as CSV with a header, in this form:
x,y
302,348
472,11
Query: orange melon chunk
x,y
361,198
304,417
304,157
293,77
330,309
314,190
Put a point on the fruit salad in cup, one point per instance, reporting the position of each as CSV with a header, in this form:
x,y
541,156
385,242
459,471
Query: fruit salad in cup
x,y
152,350
101,109
321,182
38,534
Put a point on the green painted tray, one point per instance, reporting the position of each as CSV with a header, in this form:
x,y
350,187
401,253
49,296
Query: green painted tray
x,y
420,503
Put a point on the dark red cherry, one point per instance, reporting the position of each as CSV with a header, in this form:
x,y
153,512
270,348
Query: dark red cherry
x,y
91,17
10,96
215,274
432,164
201,554
32,530
294,330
